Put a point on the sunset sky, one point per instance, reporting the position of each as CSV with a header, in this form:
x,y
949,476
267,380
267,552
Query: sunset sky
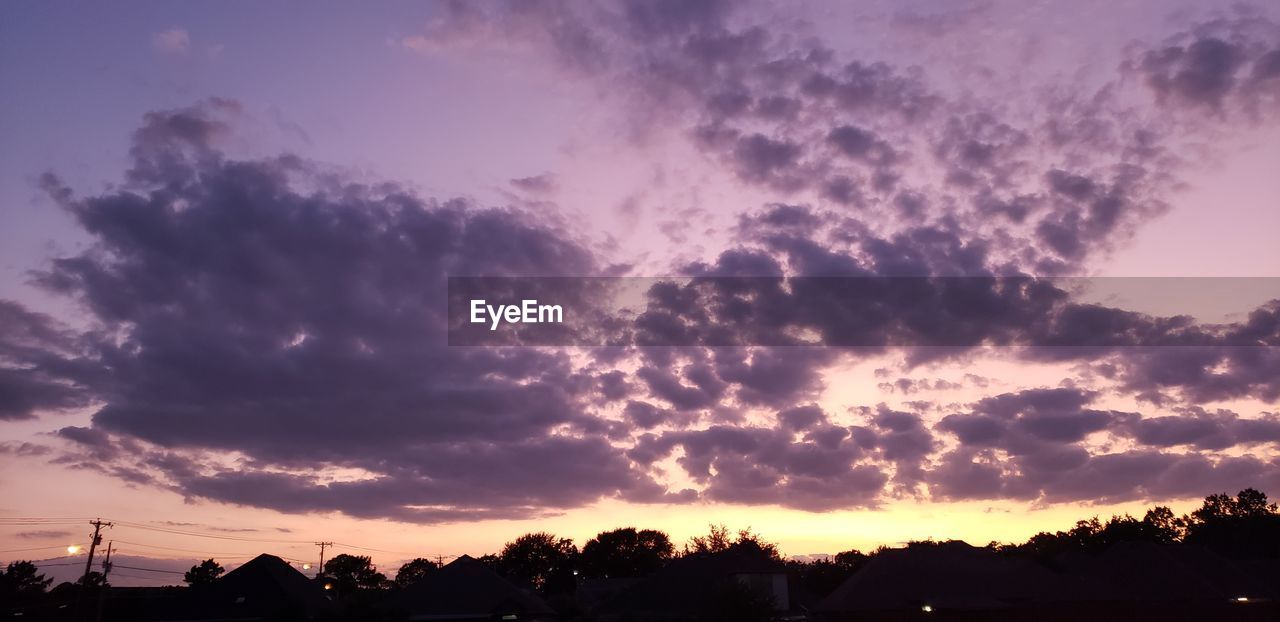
x,y
225,230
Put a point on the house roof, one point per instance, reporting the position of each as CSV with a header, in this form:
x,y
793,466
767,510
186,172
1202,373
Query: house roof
x,y
1147,572
957,576
686,583
263,587
466,587
950,575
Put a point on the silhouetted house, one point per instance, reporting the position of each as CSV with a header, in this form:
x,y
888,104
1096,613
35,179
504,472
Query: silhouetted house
x,y
951,579
264,588
707,584
131,604
591,594
1128,581
467,589
1263,571
1169,582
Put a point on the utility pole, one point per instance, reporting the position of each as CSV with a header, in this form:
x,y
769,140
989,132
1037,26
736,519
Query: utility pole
x,y
323,546
94,541
102,591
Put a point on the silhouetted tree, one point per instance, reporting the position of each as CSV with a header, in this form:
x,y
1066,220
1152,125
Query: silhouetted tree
x,y
413,571
492,561
22,582
1084,536
93,579
822,576
542,559
204,573
351,573
625,552
718,539
1246,526
1162,525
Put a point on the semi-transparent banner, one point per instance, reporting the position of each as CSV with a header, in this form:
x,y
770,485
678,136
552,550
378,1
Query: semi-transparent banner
x,y
864,311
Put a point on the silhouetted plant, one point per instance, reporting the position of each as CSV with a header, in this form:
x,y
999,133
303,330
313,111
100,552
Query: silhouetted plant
x,y
625,552
204,573
545,561
718,540
413,571
22,582
350,573
822,576
1246,526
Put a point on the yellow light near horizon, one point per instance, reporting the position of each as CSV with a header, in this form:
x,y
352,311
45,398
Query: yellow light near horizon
x,y
306,566
73,549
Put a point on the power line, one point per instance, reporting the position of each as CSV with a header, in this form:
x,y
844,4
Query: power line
x,y
44,518
208,535
148,569
170,548
366,548
224,537
34,548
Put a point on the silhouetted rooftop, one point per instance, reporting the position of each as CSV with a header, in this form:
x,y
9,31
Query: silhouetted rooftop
x,y
465,589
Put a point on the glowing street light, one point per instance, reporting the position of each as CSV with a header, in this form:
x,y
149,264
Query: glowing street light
x,y
927,609
73,549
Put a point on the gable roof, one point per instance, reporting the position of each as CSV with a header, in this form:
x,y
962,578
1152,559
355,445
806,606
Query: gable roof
x,y
686,584
264,587
465,588
949,575
1147,572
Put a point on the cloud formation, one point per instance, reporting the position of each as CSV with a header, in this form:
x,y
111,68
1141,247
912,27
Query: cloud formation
x,y
268,333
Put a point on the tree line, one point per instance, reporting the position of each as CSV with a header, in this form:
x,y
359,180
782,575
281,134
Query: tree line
x,y
1246,525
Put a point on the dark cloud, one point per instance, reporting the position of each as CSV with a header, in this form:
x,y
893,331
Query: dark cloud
x,y
757,158
755,465
538,184
1201,73
1222,66
43,534
903,440
1201,429
1029,445
1112,478
802,418
22,448
293,317
779,112
645,415
252,306
705,391
41,367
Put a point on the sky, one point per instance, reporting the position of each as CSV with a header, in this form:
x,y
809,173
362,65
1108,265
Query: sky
x,y
226,229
